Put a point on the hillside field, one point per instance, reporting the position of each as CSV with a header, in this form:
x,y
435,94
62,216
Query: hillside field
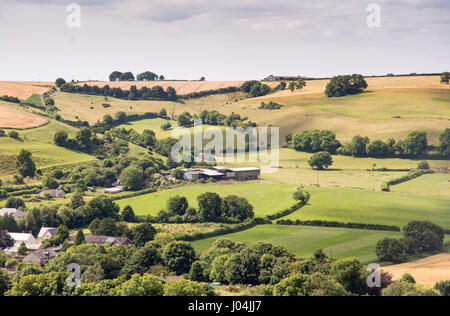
x,y
429,184
366,207
304,241
12,117
266,199
41,144
24,89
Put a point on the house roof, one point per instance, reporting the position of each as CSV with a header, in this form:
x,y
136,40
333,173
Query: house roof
x,y
45,253
212,173
51,230
18,237
245,169
11,211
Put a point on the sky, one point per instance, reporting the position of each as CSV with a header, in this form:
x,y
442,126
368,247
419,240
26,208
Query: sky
x,y
222,39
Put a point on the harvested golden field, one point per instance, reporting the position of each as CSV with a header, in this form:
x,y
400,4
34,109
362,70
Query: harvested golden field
x,y
427,271
182,87
23,89
13,118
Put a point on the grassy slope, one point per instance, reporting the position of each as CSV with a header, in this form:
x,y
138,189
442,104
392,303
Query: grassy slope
x,y
358,206
430,185
380,104
303,241
266,198
40,142
346,171
78,105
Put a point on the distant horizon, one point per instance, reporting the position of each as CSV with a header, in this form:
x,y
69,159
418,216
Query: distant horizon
x,y
426,74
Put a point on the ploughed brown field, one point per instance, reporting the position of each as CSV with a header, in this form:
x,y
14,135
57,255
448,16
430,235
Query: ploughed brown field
x,y
12,118
23,89
427,271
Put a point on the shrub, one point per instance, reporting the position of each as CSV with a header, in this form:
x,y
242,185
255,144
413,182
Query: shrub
x,y
391,250
443,287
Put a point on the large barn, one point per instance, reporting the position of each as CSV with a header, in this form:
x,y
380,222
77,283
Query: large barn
x,y
222,173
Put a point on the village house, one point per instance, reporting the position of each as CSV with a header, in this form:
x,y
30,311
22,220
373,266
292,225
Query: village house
x,y
57,194
12,211
28,239
41,257
46,233
101,240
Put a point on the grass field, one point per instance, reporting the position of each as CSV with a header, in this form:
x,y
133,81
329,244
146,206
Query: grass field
x,y
430,184
35,99
40,142
366,207
380,104
304,241
151,124
346,171
266,199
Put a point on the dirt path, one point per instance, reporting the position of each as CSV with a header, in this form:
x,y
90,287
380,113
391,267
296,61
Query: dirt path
x,y
427,271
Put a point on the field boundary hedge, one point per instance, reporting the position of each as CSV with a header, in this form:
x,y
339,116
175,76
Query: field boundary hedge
x,y
386,186
319,223
286,212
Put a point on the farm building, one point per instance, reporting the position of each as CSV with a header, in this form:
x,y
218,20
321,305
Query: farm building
x,y
12,211
222,173
57,194
19,239
41,257
281,78
244,174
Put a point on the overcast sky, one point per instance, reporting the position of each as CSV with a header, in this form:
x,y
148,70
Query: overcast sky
x,y
221,39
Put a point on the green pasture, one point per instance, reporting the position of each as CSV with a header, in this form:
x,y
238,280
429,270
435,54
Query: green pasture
x,y
266,199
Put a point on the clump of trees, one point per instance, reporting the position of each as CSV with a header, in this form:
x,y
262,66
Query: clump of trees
x,y
255,89
297,85
340,86
445,77
212,208
213,118
144,93
420,237
444,146
270,106
415,144
314,141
